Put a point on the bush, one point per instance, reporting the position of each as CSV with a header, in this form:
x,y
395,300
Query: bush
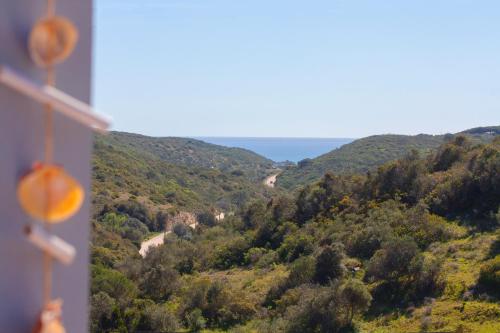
x,y
159,282
296,245
254,255
195,320
101,314
114,284
206,218
395,260
318,310
355,298
329,264
232,254
158,318
489,276
268,259
301,272
366,240
218,305
182,231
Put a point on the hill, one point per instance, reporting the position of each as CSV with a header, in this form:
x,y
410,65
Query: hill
x,y
485,130
121,172
411,247
358,156
193,153
136,192
368,153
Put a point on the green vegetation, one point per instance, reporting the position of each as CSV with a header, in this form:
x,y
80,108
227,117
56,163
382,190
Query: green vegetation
x,y
135,192
193,153
123,170
357,157
368,153
409,247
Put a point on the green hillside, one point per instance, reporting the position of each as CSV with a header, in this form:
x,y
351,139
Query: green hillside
x,y
140,183
193,153
358,156
413,246
368,153
123,172
483,131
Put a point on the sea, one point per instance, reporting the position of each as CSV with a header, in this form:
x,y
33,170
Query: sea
x,y
282,149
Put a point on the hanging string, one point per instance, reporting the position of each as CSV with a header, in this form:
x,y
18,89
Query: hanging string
x,y
51,8
48,159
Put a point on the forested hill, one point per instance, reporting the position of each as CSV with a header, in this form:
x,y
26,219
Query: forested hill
x,y
155,173
193,153
368,153
483,131
413,246
139,188
358,156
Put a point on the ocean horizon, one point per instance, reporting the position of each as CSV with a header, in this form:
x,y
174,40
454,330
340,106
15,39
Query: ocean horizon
x,y
281,149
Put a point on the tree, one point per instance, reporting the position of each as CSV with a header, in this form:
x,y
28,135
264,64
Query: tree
x,y
159,319
206,218
231,254
182,231
329,264
113,283
396,258
489,277
296,245
355,297
301,272
317,311
254,215
195,320
283,208
159,282
101,312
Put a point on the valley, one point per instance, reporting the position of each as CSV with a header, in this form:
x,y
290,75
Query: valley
x,y
385,234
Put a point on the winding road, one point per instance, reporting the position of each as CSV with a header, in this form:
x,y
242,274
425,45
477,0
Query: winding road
x,y
156,241
271,180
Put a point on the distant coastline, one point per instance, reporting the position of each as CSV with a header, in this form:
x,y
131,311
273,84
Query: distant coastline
x,y
281,149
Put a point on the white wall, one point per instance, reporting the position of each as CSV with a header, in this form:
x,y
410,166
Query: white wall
x,y
21,135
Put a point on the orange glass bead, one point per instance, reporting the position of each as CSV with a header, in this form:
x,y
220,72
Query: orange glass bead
x,y
48,193
50,320
52,40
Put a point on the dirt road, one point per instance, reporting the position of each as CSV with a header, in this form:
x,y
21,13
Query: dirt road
x,y
156,241
271,180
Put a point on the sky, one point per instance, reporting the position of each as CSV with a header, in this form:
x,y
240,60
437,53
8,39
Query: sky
x,y
297,68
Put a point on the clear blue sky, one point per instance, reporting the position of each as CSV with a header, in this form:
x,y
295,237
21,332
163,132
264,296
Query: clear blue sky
x,y
296,68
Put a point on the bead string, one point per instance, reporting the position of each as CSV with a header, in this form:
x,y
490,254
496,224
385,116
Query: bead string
x,y
48,159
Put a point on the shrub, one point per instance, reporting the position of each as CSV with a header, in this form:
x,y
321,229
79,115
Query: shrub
x,y
394,260
355,298
318,310
101,314
206,218
195,320
489,276
113,283
254,255
296,245
182,231
232,254
329,264
158,318
301,272
159,282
